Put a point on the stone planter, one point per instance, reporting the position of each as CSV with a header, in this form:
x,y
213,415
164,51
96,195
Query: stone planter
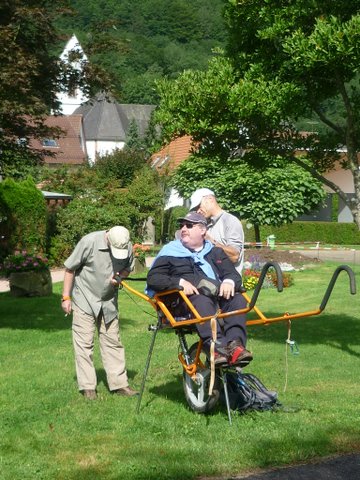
x,y
139,266
34,283
149,261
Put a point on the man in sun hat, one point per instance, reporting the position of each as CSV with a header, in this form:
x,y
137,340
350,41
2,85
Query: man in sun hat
x,y
91,292
224,229
208,277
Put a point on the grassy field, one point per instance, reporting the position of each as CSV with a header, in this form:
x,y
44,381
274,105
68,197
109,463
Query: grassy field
x,y
49,431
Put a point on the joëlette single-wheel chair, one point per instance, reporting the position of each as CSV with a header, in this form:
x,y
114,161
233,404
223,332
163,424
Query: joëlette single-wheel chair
x,y
202,382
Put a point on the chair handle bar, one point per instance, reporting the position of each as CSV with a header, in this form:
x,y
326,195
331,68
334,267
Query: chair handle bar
x,y
332,282
264,270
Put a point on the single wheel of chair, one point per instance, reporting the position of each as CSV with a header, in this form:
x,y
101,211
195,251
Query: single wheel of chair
x,y
197,389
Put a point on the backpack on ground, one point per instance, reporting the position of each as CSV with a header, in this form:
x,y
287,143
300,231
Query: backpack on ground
x,y
247,392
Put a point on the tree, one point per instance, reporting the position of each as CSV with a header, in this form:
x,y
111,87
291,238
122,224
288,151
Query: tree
x,y
264,192
120,166
31,73
133,139
144,199
285,61
161,37
120,187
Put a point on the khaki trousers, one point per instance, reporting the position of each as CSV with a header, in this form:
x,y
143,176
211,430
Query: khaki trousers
x,y
111,350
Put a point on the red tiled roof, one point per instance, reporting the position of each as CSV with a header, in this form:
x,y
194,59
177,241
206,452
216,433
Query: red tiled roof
x,y
170,156
70,149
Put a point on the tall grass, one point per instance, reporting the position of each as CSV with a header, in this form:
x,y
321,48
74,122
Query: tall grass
x,y
49,431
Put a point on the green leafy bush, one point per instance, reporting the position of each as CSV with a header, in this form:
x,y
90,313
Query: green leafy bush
x,y
120,166
82,216
102,210
23,216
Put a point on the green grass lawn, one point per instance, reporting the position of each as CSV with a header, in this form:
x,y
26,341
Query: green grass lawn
x,y
49,431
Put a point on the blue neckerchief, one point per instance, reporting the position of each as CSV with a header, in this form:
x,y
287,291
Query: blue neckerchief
x,y
177,249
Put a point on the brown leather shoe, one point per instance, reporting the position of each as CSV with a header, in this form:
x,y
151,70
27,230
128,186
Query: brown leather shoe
x,y
90,394
125,392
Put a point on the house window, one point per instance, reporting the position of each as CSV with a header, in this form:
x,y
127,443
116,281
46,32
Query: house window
x,y
22,142
49,142
164,160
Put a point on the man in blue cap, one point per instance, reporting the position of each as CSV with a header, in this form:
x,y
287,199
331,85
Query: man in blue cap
x,y
208,277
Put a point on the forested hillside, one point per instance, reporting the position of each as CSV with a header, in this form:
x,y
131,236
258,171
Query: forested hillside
x,y
157,37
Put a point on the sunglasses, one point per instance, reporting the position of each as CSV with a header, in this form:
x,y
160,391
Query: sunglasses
x,y
188,225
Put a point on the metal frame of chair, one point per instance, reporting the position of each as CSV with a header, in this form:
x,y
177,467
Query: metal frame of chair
x,y
166,319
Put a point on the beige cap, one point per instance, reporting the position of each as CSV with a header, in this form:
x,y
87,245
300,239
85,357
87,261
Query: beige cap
x,y
119,238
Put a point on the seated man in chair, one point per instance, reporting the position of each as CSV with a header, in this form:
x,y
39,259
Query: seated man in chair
x,y
210,280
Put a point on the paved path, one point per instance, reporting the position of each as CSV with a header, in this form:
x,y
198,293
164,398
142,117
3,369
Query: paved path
x,y
342,467
348,256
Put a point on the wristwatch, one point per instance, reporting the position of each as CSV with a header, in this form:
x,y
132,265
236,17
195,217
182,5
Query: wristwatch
x,y
64,298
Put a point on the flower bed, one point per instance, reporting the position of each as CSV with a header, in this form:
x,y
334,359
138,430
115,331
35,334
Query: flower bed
x,y
28,274
252,271
23,262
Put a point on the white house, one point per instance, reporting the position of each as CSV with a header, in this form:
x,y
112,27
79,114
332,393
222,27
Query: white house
x,y
107,122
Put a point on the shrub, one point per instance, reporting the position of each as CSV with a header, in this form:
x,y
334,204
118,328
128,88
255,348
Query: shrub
x,y
288,279
23,216
324,232
140,251
80,217
102,210
120,166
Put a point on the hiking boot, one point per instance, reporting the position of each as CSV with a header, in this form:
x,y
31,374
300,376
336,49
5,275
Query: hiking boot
x,y
220,359
90,394
237,354
125,392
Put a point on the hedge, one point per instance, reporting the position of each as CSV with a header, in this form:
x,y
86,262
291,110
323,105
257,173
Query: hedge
x,y
23,216
323,232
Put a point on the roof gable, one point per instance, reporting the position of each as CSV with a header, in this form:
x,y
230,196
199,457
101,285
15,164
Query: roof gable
x,y
70,149
173,154
110,121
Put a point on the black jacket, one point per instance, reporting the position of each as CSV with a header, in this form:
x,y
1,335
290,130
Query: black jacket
x,y
167,271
